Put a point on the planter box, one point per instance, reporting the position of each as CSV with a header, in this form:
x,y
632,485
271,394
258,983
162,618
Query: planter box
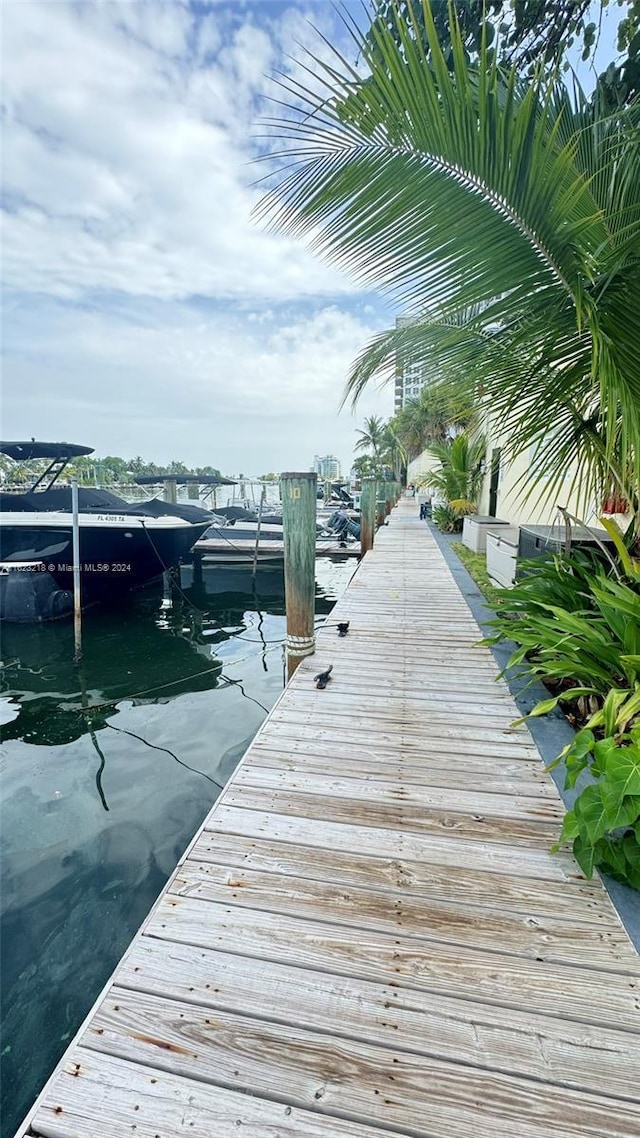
x,y
475,529
502,555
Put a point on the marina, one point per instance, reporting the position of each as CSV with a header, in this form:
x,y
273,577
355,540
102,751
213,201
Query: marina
x,y
369,933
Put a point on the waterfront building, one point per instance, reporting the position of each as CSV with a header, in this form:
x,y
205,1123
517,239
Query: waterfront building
x,y
327,467
411,376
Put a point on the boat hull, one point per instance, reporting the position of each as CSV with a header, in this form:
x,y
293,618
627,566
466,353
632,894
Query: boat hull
x,y
116,553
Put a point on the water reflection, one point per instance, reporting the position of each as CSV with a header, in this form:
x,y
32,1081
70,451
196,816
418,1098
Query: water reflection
x,y
107,772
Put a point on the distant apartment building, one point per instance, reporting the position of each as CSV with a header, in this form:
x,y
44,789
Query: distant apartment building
x,y
327,467
411,377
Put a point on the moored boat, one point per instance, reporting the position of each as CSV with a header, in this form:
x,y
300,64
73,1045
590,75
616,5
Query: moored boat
x,y
122,545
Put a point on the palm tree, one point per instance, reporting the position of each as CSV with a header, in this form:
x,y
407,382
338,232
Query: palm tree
x,y
373,437
460,475
394,454
432,417
504,216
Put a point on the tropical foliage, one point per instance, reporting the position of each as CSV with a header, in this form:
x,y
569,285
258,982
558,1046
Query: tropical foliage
x,y
91,470
531,33
577,623
503,215
433,417
604,824
460,475
447,518
387,454
373,437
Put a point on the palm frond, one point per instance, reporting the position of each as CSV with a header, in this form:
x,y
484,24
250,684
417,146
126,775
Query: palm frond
x,y
506,219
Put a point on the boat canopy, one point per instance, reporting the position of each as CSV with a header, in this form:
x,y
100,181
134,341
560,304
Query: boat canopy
x,y
25,451
183,479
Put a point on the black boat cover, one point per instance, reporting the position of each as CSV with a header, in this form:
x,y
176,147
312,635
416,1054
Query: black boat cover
x,y
25,451
99,502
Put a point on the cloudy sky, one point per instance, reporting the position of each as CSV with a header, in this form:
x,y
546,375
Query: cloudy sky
x,y
145,312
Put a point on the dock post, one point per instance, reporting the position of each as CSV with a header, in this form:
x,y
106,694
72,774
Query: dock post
x,y
170,490
379,504
367,515
388,494
298,491
263,497
77,598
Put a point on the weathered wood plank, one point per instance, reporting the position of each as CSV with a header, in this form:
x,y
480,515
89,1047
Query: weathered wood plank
x,y
491,710
519,934
433,849
495,776
399,728
538,833
483,1035
101,1095
576,901
584,994
425,794
400,742
345,1078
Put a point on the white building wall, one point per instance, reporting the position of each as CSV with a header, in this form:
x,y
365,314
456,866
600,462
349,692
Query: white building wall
x,y
518,500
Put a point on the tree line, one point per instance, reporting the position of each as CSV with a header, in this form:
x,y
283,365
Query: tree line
x,y
109,470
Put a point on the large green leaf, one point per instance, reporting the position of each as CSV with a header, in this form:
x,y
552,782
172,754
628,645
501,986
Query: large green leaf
x,y
622,770
591,813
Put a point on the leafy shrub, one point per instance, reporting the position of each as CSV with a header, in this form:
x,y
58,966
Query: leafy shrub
x,y
578,630
447,518
604,825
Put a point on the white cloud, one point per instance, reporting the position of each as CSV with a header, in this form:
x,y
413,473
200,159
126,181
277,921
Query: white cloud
x,y
129,134
253,393
129,164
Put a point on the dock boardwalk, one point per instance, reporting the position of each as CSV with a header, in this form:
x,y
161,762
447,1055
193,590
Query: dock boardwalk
x,y
369,935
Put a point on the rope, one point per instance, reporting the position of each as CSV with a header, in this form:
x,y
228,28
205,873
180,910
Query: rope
x,y
300,646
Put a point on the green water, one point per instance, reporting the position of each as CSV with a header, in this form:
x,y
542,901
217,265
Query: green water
x,y
94,815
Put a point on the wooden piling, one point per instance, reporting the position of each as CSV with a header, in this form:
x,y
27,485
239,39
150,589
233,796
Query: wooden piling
x,y
380,515
170,490
298,491
77,597
388,498
367,515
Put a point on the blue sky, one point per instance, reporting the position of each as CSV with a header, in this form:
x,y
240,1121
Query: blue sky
x,y
145,311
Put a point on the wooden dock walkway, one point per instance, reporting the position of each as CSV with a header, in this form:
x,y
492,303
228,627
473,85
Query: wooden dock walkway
x,y
369,936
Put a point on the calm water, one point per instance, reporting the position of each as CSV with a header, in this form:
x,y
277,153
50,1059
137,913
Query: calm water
x,y
95,813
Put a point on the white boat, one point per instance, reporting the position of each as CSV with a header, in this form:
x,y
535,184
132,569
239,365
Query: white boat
x,y
245,540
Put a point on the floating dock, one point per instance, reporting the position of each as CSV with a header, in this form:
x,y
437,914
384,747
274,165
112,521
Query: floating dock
x,y
369,936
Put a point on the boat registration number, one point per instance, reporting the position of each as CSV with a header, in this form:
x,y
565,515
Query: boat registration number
x,y
111,517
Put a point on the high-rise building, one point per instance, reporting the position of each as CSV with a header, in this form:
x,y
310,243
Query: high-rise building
x,y
411,377
327,467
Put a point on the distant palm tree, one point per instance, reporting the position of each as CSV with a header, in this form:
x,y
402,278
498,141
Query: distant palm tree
x,y
373,437
394,454
504,216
